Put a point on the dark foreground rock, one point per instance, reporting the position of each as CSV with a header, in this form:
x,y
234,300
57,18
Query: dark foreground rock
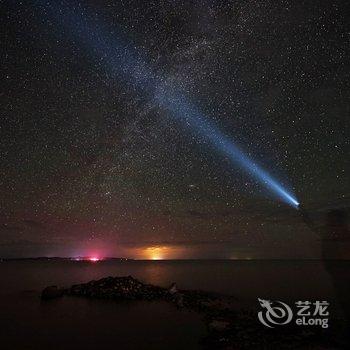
x,y
228,328
118,288
129,288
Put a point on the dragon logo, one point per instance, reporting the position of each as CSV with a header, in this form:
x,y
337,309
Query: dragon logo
x,y
274,313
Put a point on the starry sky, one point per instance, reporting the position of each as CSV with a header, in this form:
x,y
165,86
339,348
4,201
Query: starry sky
x,y
89,166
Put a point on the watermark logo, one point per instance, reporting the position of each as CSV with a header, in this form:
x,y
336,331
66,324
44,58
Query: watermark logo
x,y
304,313
274,313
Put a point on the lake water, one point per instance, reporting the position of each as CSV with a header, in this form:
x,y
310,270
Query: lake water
x,y
28,323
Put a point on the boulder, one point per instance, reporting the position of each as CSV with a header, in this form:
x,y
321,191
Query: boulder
x,y
173,289
127,288
179,300
219,325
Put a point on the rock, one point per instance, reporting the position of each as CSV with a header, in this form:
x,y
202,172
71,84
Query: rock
x,y
219,303
227,327
127,288
173,289
179,300
219,325
51,292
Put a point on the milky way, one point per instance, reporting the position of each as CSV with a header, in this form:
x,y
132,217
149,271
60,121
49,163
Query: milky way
x,y
87,163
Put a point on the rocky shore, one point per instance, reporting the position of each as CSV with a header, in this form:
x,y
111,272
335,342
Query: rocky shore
x,y
228,327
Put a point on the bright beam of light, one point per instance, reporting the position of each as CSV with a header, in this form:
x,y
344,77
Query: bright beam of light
x,y
124,63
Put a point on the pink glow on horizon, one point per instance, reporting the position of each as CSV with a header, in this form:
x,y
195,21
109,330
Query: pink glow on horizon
x,y
94,258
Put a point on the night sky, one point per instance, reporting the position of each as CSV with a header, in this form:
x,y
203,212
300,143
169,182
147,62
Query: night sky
x,y
91,166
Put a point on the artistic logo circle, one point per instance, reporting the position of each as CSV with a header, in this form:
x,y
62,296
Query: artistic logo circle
x,y
274,313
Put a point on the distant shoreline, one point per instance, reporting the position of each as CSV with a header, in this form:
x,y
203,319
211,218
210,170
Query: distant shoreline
x,y
88,259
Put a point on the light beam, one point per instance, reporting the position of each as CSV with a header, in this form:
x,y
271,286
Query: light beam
x,y
124,63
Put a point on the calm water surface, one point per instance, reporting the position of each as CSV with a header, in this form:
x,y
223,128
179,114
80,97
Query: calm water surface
x,y
28,323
